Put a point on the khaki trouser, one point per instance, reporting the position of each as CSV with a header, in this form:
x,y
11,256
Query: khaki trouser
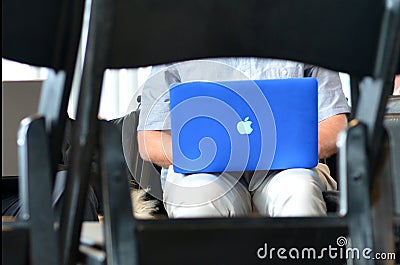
x,y
290,192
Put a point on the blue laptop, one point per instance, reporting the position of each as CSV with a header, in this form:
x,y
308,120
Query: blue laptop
x,y
244,125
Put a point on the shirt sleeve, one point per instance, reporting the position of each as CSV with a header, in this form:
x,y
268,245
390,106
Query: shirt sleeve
x,y
155,103
331,99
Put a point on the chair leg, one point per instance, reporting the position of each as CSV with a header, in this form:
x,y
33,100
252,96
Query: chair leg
x,y
119,223
382,206
355,197
367,204
35,192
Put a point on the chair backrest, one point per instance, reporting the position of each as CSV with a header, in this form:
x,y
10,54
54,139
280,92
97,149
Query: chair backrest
x,y
46,34
307,31
42,33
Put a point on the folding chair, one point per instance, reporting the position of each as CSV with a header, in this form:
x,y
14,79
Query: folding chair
x,y
47,34
392,126
357,37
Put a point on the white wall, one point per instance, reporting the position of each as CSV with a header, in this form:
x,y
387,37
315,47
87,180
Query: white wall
x,y
345,78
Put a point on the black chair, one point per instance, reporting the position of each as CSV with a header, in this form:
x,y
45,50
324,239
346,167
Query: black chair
x,y
47,34
142,173
392,125
357,37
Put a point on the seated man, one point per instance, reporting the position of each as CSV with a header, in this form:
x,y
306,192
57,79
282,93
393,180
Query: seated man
x,y
291,192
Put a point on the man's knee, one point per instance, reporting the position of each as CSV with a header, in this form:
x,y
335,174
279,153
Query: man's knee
x,y
205,195
194,189
295,192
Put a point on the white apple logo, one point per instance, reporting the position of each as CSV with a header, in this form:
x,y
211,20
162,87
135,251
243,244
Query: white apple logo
x,y
244,127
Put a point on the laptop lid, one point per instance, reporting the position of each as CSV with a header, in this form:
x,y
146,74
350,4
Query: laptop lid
x,y
244,125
